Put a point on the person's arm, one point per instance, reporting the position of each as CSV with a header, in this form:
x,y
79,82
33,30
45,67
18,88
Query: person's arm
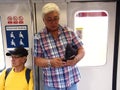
x,y
77,58
2,80
80,55
55,62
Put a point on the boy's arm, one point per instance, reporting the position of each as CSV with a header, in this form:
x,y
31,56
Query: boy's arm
x,y
2,80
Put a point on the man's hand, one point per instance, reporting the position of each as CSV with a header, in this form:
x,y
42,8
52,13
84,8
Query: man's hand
x,y
57,62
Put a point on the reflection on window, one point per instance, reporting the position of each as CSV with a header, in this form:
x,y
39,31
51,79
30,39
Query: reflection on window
x,y
92,28
2,60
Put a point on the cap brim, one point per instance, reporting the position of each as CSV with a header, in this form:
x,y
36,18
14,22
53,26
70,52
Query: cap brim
x,y
10,53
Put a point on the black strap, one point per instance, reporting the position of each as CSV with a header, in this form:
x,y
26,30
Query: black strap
x,y
7,72
27,73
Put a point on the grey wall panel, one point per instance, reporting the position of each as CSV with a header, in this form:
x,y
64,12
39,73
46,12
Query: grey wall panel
x,y
16,9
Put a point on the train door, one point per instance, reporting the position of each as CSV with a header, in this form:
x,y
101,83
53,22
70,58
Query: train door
x,y
117,63
2,61
118,74
94,75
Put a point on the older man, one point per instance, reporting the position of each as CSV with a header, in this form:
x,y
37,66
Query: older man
x,y
49,52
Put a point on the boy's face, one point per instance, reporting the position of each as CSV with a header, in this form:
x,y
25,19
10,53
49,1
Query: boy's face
x,y
18,61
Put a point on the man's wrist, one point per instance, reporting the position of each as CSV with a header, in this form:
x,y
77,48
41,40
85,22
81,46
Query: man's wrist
x,y
76,58
49,63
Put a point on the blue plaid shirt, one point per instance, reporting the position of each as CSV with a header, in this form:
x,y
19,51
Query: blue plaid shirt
x,y
46,47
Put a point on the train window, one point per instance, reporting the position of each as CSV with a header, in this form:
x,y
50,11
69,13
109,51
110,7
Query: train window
x,y
92,28
2,60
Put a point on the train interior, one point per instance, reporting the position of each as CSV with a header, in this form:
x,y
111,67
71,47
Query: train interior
x,y
96,21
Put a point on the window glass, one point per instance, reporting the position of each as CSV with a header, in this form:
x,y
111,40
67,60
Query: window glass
x,y
2,59
92,28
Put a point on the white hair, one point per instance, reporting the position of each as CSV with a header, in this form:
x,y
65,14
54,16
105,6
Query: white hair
x,y
49,7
